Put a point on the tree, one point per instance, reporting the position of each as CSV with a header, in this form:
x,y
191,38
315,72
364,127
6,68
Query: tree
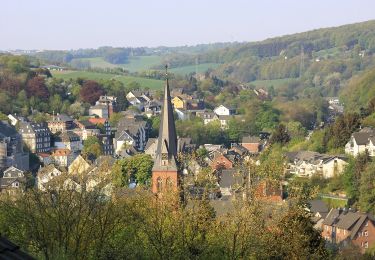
x,y
36,87
280,135
367,189
137,167
92,146
91,91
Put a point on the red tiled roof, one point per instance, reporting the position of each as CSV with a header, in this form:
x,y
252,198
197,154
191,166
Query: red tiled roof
x,y
97,120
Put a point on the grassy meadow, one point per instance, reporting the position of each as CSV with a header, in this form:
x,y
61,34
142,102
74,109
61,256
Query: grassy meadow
x,y
145,83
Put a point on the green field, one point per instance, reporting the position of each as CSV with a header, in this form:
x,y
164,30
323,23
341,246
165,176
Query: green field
x,y
145,83
273,82
201,68
136,63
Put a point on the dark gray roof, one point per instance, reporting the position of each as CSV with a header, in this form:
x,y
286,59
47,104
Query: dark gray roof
x,y
67,136
318,206
230,177
331,217
346,221
8,250
7,130
361,138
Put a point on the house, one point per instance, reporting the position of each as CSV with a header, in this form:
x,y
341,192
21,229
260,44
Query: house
x,y
269,191
152,108
308,164
230,182
207,116
60,123
79,166
100,111
45,175
68,140
361,141
107,139
178,102
224,120
36,137
184,145
138,98
342,226
85,129
253,144
319,211
224,110
131,132
11,148
221,161
104,107
13,179
63,157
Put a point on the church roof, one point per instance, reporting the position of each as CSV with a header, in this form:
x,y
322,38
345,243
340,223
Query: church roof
x,y
167,142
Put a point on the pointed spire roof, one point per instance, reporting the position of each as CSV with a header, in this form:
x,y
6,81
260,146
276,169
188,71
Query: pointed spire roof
x,y
167,142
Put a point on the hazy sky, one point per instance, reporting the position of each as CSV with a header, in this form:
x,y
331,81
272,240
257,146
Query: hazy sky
x,y
67,24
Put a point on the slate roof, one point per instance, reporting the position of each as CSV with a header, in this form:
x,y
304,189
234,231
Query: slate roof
x,y
347,220
7,130
229,178
9,250
318,206
361,138
167,143
67,136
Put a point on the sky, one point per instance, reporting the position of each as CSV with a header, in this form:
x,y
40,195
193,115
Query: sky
x,y
73,24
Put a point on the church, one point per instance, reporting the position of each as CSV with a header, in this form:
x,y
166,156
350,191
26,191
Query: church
x,y
165,172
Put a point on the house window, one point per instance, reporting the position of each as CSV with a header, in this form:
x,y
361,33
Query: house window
x,y
159,184
366,244
366,233
366,225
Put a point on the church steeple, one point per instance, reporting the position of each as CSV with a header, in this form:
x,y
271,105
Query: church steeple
x,y
166,151
164,172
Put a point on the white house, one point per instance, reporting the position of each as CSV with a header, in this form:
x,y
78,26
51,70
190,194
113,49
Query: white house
x,y
45,175
224,111
360,142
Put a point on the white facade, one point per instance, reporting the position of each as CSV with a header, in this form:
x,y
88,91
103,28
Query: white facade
x,y
223,111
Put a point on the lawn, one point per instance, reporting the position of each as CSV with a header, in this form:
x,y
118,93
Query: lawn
x,y
145,83
273,82
335,202
136,63
201,68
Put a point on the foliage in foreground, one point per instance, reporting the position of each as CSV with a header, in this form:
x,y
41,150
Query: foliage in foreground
x,y
66,224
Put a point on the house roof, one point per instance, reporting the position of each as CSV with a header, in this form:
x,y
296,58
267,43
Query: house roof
x,y
346,221
61,152
7,130
230,177
150,142
13,172
9,250
318,206
61,118
67,136
361,138
47,170
97,120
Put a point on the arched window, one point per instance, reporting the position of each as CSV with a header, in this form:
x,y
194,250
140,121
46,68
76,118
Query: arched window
x,y
159,183
169,183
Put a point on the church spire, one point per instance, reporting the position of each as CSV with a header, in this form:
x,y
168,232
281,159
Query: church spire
x,y
166,151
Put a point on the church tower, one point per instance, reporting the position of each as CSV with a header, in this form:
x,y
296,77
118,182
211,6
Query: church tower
x,y
165,173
